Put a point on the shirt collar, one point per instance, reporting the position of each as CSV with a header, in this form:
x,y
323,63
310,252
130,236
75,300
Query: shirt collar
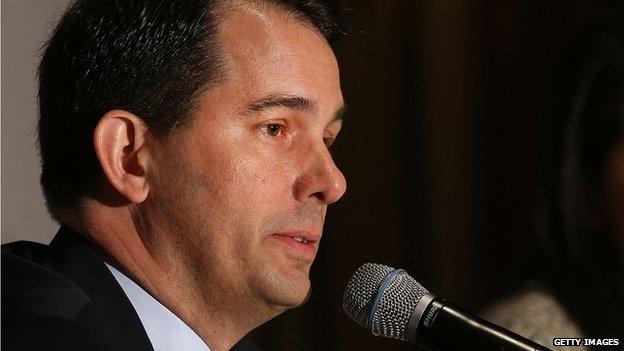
x,y
165,330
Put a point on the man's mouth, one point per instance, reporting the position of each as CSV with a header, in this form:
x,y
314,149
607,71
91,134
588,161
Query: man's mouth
x,y
301,245
301,240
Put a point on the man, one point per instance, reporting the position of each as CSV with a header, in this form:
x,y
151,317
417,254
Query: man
x,y
185,151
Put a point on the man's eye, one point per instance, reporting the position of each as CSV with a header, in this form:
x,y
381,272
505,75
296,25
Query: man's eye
x,y
274,129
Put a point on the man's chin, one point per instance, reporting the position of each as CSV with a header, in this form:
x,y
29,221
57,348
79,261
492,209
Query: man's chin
x,y
299,288
295,296
286,292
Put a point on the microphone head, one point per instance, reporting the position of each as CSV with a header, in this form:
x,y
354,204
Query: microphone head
x,y
382,299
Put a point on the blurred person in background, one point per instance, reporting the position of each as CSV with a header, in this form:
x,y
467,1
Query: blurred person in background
x,y
581,215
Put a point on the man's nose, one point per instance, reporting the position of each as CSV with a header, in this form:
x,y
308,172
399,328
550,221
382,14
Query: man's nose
x,y
320,179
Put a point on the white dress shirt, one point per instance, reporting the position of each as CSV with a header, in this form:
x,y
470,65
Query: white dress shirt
x,y
165,330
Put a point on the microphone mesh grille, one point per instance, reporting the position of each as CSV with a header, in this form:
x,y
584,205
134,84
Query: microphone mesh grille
x,y
396,304
361,290
395,307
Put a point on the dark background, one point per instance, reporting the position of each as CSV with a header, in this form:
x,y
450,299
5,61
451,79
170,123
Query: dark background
x,y
440,151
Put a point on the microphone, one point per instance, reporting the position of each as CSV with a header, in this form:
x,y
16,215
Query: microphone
x,y
388,302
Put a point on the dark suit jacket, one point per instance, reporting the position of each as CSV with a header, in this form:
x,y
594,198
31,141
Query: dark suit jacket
x,y
63,297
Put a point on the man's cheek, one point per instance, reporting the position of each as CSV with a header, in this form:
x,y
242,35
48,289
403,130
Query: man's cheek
x,y
261,177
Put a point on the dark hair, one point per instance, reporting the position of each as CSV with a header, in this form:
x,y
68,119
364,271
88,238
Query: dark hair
x,y
585,121
149,57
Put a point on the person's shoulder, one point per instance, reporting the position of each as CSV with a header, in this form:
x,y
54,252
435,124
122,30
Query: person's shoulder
x,y
32,290
535,313
40,307
49,334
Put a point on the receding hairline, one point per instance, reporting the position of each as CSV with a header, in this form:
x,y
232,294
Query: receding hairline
x,y
223,8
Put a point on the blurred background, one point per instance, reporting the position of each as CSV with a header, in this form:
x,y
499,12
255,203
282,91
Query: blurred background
x,y
439,147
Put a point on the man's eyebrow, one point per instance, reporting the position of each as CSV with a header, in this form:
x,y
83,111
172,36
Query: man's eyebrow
x,y
294,102
340,113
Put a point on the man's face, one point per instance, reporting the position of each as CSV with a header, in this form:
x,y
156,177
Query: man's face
x,y
252,176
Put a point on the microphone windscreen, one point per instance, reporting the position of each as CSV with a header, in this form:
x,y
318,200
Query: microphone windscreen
x,y
382,299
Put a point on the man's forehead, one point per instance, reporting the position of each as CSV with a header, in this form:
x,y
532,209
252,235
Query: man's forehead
x,y
269,54
270,33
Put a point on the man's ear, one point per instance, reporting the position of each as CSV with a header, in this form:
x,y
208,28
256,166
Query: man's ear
x,y
119,141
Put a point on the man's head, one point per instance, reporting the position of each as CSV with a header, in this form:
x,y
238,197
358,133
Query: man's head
x,y
151,58
253,172
209,124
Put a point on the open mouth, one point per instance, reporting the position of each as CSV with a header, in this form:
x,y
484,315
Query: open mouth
x,y
301,240
298,245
